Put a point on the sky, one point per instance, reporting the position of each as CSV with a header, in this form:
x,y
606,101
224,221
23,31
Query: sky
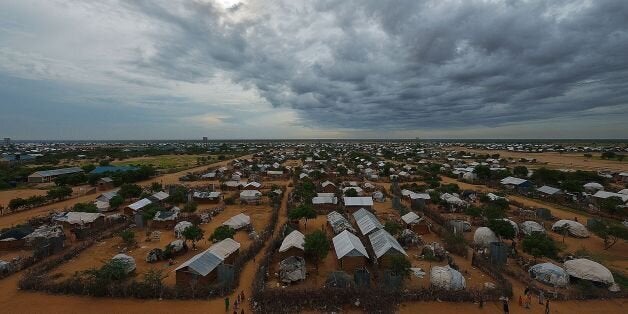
x,y
262,69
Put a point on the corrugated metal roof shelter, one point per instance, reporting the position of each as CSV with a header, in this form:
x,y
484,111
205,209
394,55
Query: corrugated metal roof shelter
x,y
202,263
365,201
79,217
48,175
513,181
140,204
548,190
295,239
411,218
347,244
238,221
160,196
225,248
339,223
366,221
382,242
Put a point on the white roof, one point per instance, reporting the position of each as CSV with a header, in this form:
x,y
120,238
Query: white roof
x,y
548,190
238,221
356,188
624,191
513,181
484,236
576,229
140,204
326,183
161,195
593,186
347,244
324,200
410,217
254,184
366,221
424,196
606,194
225,248
79,217
588,270
250,193
529,227
382,242
202,263
358,201
295,239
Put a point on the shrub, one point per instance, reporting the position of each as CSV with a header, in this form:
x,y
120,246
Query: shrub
x,y
539,244
222,233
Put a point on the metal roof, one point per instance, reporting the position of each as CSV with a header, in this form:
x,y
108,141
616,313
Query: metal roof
x,y
347,244
198,194
202,263
366,221
358,201
294,239
410,217
225,248
338,222
238,221
57,172
513,181
324,200
382,242
548,190
161,195
140,204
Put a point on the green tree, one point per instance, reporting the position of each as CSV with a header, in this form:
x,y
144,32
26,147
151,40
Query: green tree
x,y
193,233
59,192
85,208
392,227
116,201
611,204
483,172
520,171
190,207
539,244
129,190
88,168
302,211
400,265
179,195
502,228
351,193
17,203
128,237
316,246
222,233
156,187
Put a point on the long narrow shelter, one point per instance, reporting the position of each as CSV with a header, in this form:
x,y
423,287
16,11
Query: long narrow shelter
x,y
366,221
350,251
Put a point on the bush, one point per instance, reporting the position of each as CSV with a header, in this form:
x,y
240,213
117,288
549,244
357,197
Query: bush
x,y
302,211
392,227
85,208
128,237
190,207
316,245
454,242
222,233
59,192
502,228
129,190
539,244
116,201
400,265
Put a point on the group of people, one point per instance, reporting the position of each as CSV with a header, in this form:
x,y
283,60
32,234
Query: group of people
x,y
526,300
238,302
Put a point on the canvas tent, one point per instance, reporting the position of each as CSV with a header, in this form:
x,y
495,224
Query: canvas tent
x,y
128,260
238,221
529,227
576,229
447,278
484,237
585,269
550,274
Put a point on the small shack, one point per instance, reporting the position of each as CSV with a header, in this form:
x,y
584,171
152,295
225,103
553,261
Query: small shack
x,y
238,221
350,252
366,221
198,270
416,223
385,247
292,244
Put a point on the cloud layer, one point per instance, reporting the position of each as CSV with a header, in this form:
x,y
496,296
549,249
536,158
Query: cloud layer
x,y
360,67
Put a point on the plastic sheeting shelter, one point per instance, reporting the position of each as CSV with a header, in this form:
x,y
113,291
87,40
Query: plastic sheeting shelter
x,y
292,269
180,227
447,278
582,268
550,274
484,236
529,227
576,229
128,260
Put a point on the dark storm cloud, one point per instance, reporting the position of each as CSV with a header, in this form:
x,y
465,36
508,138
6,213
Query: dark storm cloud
x,y
406,64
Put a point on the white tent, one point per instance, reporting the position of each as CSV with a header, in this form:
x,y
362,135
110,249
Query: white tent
x,y
130,262
295,239
180,227
529,227
238,221
447,278
576,229
589,270
484,236
550,274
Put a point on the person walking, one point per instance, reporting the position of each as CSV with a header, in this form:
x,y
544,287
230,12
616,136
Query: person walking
x,y
547,310
226,304
506,309
520,300
528,300
541,297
